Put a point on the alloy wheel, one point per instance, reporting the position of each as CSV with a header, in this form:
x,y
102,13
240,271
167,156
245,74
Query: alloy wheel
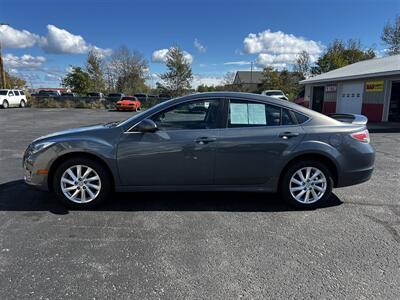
x,y
308,185
80,184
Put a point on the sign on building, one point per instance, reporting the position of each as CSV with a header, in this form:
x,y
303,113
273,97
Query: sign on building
x,y
374,86
330,89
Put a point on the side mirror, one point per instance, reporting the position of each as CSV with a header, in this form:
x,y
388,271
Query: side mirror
x,y
146,125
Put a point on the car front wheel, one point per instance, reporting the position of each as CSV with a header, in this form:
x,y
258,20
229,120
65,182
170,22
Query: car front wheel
x,y
81,183
5,104
307,184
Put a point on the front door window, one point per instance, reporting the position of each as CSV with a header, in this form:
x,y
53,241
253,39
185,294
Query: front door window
x,y
200,114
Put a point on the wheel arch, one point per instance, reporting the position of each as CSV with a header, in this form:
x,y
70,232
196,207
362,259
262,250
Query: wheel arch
x,y
70,155
327,161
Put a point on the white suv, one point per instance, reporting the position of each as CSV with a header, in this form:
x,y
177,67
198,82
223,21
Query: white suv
x,y
275,94
9,98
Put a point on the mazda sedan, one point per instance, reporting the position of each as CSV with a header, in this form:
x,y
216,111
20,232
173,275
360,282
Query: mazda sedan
x,y
235,142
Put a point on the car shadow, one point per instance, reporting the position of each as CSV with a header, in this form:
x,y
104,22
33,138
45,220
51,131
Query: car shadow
x,y
17,196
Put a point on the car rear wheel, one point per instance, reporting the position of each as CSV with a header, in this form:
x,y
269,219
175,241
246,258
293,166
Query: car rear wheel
x,y
5,104
307,184
81,183
22,104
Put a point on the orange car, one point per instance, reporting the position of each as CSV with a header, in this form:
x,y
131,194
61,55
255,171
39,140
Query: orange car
x,y
128,103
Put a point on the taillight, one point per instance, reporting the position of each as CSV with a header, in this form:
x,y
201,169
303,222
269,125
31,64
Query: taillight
x,y
362,136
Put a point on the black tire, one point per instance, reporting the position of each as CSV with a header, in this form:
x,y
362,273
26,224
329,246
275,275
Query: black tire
x,y
22,104
102,172
285,184
5,104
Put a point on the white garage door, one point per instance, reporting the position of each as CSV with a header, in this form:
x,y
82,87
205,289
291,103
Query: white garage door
x,y
350,98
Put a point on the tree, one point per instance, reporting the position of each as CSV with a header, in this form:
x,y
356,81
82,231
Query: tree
x,y
78,80
126,72
177,80
338,55
303,64
286,81
228,79
391,36
13,81
94,65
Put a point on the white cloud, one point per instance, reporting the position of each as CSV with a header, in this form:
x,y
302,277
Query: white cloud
x,y
279,48
14,38
56,41
199,46
24,62
238,63
160,56
206,80
61,41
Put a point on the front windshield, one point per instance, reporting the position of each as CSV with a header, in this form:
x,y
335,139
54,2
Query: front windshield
x,y
3,92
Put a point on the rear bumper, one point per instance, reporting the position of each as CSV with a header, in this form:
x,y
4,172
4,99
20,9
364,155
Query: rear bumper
x,y
355,177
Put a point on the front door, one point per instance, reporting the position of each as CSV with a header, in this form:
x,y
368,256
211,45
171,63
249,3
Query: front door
x,y
251,148
350,99
181,152
318,98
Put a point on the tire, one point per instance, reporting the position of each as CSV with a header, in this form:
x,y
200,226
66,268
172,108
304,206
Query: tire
x,y
100,195
318,187
22,104
5,104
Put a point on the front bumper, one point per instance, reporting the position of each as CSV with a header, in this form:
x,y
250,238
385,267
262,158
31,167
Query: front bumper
x,y
31,164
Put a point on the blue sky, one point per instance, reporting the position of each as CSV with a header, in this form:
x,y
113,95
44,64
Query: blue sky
x,y
43,37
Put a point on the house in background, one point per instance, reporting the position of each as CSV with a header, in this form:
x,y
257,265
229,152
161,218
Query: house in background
x,y
250,81
370,87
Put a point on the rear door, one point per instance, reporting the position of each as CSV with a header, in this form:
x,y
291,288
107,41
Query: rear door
x,y
16,98
251,149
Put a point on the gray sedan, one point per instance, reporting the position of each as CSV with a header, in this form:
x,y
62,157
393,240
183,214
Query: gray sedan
x,y
206,142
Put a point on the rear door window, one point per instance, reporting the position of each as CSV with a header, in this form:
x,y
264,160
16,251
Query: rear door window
x,y
16,93
243,113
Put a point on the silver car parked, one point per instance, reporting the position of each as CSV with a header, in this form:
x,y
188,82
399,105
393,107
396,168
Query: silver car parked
x,y
235,142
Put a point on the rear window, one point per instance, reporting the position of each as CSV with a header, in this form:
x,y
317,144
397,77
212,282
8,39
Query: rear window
x,y
114,95
276,93
22,93
300,117
129,98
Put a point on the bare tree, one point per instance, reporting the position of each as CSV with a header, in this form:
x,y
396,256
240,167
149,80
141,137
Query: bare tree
x,y
228,78
126,71
391,36
303,64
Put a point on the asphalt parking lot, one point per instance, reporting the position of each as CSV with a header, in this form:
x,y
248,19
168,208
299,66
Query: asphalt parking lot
x,y
193,245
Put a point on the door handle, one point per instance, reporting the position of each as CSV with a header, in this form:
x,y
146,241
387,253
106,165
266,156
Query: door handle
x,y
287,135
205,140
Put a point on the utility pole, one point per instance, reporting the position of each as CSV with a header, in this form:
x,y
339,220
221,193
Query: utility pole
x,y
251,73
2,71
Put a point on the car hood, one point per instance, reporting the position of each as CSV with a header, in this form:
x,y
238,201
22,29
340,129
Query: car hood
x,y
72,131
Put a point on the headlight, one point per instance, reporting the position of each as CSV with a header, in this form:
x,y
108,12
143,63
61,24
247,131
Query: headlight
x,y
40,146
